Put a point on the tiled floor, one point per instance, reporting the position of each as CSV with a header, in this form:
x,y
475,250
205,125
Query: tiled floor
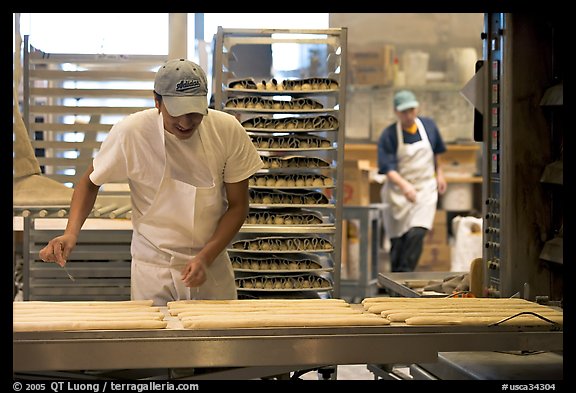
x,y
354,372
351,372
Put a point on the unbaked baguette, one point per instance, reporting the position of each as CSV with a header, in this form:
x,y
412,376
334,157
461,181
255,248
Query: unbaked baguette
x,y
261,302
439,299
281,321
378,309
463,302
310,311
79,303
84,311
483,321
403,316
178,310
95,317
514,309
87,325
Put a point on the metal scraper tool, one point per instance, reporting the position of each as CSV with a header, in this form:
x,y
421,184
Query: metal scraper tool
x,y
68,273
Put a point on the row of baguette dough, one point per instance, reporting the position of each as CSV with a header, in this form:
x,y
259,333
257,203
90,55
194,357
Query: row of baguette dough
x,y
216,314
462,311
86,315
271,313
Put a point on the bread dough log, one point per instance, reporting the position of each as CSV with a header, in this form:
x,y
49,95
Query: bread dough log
x,y
33,326
86,311
295,302
456,310
214,322
290,311
87,317
378,308
250,309
483,321
84,304
417,300
403,316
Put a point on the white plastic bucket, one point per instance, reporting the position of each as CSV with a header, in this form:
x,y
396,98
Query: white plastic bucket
x,y
415,65
458,197
461,64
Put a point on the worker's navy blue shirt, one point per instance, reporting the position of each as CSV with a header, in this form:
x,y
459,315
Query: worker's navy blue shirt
x,y
388,143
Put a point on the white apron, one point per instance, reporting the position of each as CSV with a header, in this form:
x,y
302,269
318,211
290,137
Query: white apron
x,y
416,165
175,227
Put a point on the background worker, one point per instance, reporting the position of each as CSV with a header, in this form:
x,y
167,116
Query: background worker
x,y
407,155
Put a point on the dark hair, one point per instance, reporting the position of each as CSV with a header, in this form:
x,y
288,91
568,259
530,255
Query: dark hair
x,y
157,96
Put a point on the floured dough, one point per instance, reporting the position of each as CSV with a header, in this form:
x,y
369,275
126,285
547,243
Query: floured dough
x,y
270,311
403,316
95,317
32,326
79,303
213,322
86,315
483,321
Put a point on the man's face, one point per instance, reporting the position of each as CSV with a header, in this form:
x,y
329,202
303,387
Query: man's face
x,y
183,127
407,117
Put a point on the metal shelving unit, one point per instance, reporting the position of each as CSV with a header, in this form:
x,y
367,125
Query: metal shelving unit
x,y
69,103
83,95
99,265
290,243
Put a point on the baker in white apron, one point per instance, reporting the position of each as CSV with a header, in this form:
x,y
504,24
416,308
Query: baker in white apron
x,y
188,168
408,212
169,235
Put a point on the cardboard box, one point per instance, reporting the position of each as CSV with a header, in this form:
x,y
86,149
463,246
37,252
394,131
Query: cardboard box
x,y
459,160
375,192
438,235
372,65
368,76
435,257
356,183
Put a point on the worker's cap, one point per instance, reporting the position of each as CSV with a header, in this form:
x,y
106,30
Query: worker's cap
x,y
183,87
405,99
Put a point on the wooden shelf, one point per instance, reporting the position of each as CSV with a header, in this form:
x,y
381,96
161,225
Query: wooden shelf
x,y
457,179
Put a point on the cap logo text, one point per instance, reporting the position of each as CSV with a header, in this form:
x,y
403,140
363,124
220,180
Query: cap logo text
x,y
184,85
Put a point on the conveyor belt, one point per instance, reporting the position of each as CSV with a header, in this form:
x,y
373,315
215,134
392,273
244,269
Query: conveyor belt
x,y
176,347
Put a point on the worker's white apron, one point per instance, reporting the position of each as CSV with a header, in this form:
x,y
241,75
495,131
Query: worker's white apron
x,y
416,165
176,226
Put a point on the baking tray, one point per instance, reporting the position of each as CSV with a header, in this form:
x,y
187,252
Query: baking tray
x,y
395,282
278,111
289,130
281,92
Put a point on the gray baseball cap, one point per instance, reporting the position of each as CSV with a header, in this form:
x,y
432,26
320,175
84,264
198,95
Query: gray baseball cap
x,y
405,99
183,87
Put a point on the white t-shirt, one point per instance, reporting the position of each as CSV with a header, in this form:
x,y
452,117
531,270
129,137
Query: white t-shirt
x,y
134,151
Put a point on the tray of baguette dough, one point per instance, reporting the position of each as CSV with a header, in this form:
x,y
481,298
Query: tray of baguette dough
x,y
283,283
292,124
265,105
268,142
294,162
285,263
296,198
282,244
286,216
290,181
286,86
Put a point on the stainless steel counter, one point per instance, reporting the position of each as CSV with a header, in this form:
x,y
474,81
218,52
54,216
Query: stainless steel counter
x,y
266,347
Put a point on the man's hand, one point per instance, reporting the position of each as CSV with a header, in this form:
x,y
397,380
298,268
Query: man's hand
x,y
194,274
58,249
409,191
